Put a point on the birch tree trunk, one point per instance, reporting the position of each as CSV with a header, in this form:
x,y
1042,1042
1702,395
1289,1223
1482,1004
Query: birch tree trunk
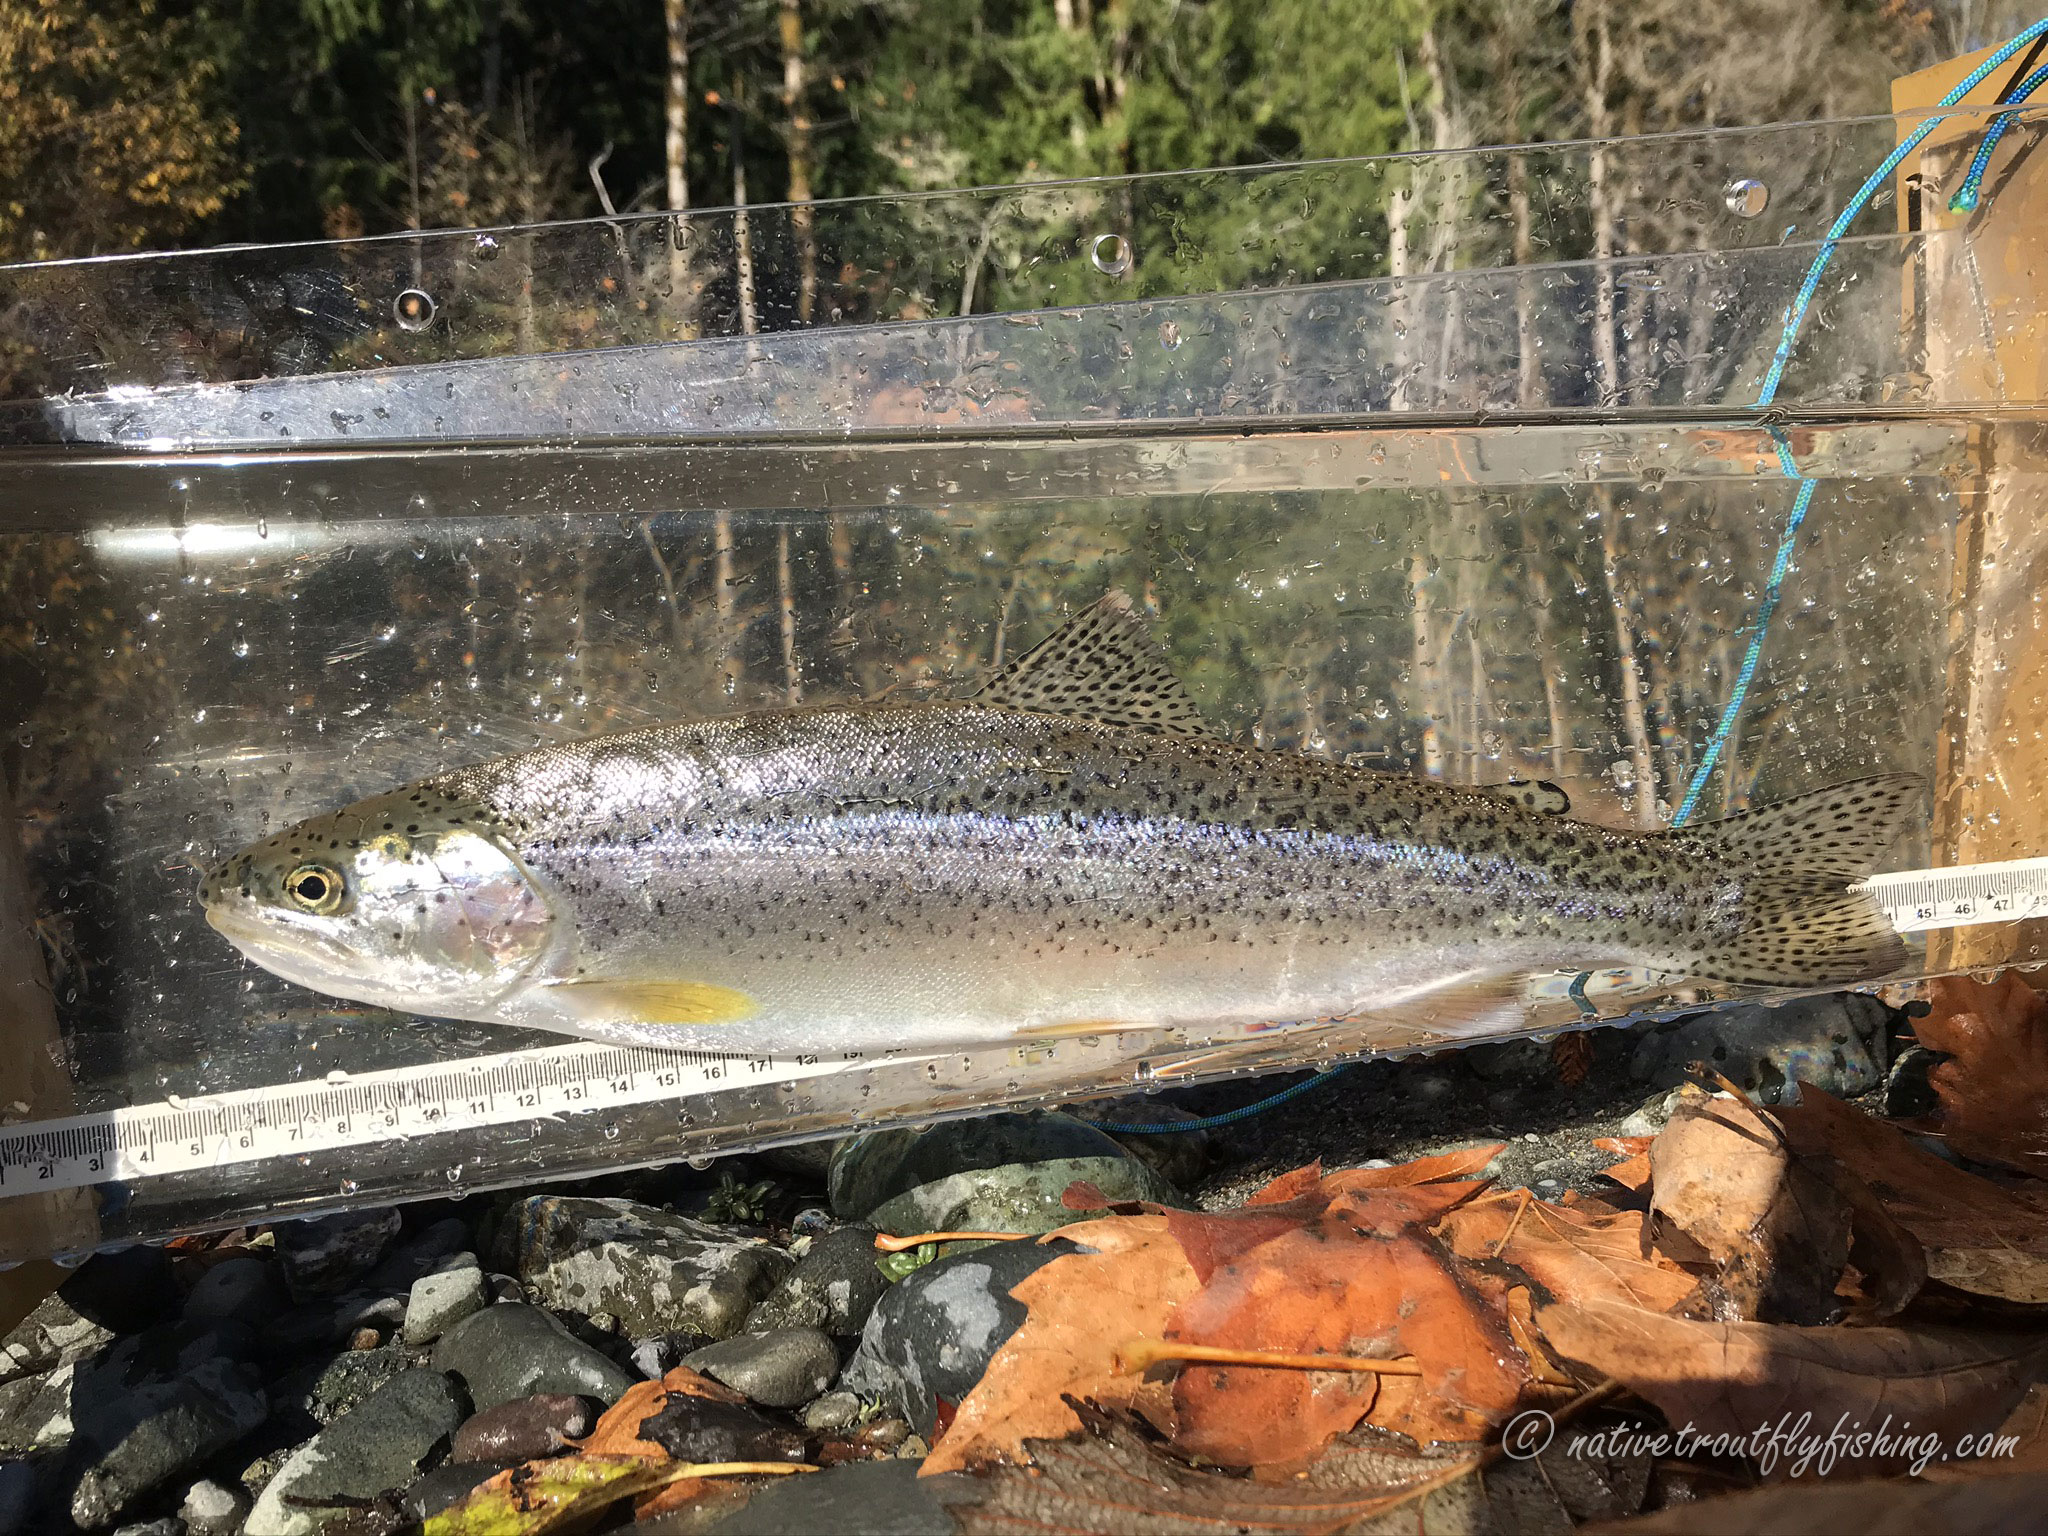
x,y
676,149
798,130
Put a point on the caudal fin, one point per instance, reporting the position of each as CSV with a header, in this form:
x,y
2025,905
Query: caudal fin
x,y
1801,924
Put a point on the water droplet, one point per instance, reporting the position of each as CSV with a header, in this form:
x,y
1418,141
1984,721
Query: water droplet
x,y
700,1163
1110,255
349,1187
414,310
1169,335
337,1076
1746,197
486,248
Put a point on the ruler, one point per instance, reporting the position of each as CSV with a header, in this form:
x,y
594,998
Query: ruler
x,y
350,1110
1919,899
345,1110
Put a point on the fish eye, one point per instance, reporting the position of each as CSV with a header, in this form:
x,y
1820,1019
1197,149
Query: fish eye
x,y
318,888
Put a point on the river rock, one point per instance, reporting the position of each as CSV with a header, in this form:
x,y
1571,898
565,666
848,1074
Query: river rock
x,y
782,1368
148,1409
54,1334
512,1350
127,1290
654,1271
213,1509
699,1429
378,1446
436,1247
441,1300
1835,1042
834,1287
933,1335
35,1411
1178,1155
444,1486
328,1255
333,1320
244,1289
523,1429
856,1498
880,1165
1017,1197
347,1380
832,1412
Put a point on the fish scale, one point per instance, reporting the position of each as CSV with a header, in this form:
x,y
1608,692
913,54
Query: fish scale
x,y
949,873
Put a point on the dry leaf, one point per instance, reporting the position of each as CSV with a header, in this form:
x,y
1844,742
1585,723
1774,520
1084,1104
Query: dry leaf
x,y
537,1497
1082,1306
1977,1236
1741,1378
1361,1279
2022,1451
617,1432
1573,1255
1994,1089
1992,1507
1779,1234
1631,1173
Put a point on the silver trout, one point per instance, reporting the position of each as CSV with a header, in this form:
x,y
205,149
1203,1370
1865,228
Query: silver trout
x,y
1070,851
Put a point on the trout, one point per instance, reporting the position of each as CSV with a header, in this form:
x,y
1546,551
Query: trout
x,y
1070,851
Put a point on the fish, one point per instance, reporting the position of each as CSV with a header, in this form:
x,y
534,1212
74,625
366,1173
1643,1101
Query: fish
x,y
1069,851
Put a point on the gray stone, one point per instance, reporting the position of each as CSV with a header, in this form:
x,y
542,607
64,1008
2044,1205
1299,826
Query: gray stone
x,y
169,1525
53,1334
879,1165
18,1495
245,1290
523,1429
512,1350
1652,1117
441,1300
377,1447
328,1255
446,1486
213,1509
1177,1155
35,1411
349,1379
136,1432
833,1411
654,1271
1018,1197
698,1429
856,1498
834,1286
422,1254
935,1332
333,1320
1835,1042
779,1369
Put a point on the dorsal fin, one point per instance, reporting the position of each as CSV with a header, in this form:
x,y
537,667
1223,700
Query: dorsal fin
x,y
1100,665
1543,797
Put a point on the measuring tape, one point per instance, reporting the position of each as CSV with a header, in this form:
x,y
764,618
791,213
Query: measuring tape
x,y
352,1110
344,1110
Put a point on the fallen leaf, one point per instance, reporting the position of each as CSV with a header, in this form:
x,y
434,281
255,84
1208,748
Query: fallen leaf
x,y
617,1431
1630,1173
1363,1278
2020,1446
1722,1173
1874,1507
1742,1379
1572,1055
1624,1146
1993,1090
1081,1307
1976,1235
1465,1163
1572,1255
1291,1185
537,1497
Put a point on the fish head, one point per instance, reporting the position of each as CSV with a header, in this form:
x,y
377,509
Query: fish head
x,y
408,900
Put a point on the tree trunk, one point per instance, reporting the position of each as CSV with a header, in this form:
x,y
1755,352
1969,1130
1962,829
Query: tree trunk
x,y
1597,44
1546,657
1634,721
1427,682
1529,387
742,227
785,600
676,150
799,133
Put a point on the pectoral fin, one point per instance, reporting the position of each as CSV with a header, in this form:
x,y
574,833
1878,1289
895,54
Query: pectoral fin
x,y
654,1002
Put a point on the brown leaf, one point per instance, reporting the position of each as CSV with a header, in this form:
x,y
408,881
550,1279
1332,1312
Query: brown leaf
x,y
1721,1172
1875,1507
1994,1089
617,1431
1288,1186
1741,1378
1977,1236
1630,1173
2021,1448
1361,1279
1081,1307
1464,1163
1572,1255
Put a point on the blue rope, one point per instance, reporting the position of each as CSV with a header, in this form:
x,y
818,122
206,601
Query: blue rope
x,y
1795,318
1964,201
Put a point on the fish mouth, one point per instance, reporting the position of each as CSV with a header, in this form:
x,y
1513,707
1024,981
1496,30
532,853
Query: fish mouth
x,y
284,947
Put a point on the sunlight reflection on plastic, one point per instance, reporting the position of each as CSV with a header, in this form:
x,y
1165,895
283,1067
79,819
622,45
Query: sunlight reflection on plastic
x,y
1746,197
1111,255
413,310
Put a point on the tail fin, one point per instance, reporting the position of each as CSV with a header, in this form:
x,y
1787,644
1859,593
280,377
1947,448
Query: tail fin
x,y
1801,924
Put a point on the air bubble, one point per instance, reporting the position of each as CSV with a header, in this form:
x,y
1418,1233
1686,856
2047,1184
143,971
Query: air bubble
x,y
1746,197
414,310
1110,255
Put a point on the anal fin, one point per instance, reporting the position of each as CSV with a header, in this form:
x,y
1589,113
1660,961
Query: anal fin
x,y
653,1002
